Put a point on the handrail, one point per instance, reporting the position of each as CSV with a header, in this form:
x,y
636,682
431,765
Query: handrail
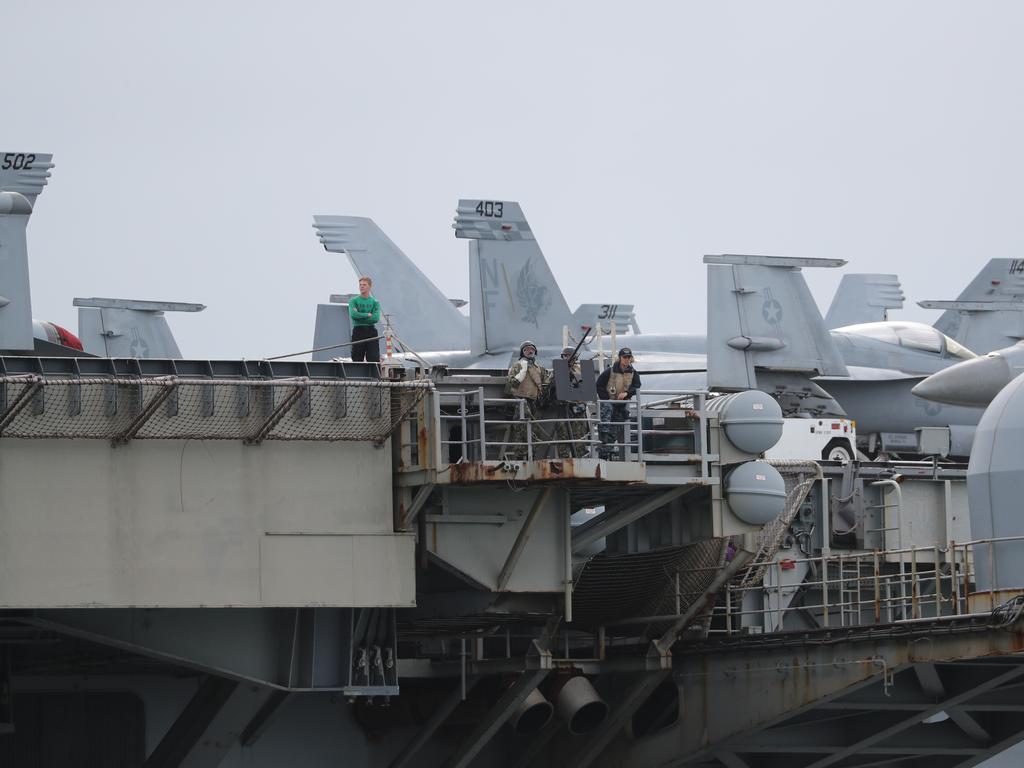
x,y
862,588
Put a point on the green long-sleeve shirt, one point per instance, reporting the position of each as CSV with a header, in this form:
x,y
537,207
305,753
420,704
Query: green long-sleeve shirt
x,y
363,311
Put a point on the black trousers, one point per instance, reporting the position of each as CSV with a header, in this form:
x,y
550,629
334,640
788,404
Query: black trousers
x,y
365,351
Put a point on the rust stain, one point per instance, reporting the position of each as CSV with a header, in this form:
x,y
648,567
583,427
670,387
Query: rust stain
x,y
555,470
540,470
421,440
1017,641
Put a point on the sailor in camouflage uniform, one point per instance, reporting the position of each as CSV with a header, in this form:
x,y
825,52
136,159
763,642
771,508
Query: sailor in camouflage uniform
x,y
574,430
529,380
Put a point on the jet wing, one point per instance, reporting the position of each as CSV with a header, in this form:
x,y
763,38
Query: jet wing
x,y
861,373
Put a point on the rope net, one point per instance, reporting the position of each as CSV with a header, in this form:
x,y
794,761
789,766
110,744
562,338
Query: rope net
x,y
612,587
799,477
251,410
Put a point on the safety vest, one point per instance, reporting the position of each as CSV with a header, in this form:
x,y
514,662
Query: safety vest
x,y
619,382
529,388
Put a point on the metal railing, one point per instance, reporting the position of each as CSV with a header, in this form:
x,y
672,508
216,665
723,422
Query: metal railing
x,y
862,588
670,427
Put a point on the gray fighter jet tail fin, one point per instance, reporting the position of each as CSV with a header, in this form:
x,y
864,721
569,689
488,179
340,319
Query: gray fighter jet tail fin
x,y
764,328
605,315
25,173
333,329
989,313
15,296
864,299
129,328
513,294
420,314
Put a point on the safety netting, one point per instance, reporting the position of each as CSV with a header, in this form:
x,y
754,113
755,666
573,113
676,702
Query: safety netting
x,y
659,582
800,477
171,407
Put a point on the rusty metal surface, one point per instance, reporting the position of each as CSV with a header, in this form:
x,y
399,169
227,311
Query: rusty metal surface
x,y
542,470
750,696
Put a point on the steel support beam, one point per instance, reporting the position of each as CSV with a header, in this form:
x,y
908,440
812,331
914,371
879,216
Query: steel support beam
x,y
267,714
422,494
931,684
496,717
258,645
210,725
442,713
35,384
605,524
620,714
706,601
908,722
731,760
524,536
774,684
538,743
276,415
150,408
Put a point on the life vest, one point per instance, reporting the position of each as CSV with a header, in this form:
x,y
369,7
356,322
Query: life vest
x,y
529,388
619,381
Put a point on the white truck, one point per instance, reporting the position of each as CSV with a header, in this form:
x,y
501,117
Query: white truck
x,y
816,439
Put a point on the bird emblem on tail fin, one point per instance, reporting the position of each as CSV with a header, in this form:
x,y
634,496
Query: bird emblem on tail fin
x,y
533,297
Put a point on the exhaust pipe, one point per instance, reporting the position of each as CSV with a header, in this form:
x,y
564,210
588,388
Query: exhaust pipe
x,y
580,706
533,714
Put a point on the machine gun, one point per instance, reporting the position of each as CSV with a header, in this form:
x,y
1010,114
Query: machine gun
x,y
575,356
567,388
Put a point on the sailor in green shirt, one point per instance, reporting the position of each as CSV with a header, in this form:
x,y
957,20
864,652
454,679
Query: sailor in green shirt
x,y
364,311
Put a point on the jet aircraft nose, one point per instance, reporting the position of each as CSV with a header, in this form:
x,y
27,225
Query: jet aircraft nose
x,y
972,383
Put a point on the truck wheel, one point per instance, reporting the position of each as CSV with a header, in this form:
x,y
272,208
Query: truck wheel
x,y
838,450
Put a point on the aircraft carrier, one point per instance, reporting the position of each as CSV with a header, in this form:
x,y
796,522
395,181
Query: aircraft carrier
x,y
263,563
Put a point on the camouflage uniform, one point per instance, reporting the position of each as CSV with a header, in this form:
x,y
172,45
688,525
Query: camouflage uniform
x,y
529,381
574,428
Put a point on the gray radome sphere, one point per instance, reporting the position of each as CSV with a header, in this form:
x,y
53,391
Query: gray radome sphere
x,y
756,492
995,488
752,420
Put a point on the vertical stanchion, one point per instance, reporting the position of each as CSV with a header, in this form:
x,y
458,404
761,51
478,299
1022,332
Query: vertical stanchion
x,y
824,589
913,586
967,584
991,575
728,610
483,430
954,580
878,589
778,596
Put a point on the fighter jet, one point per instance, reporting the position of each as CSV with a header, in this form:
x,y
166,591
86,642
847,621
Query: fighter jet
x,y
864,370
974,383
766,332
426,321
129,327
989,313
107,327
864,298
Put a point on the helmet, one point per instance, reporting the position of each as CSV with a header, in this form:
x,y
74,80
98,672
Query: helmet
x,y
524,345
625,352
567,352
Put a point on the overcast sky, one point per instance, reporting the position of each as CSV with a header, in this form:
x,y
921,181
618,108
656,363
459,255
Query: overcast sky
x,y
195,141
